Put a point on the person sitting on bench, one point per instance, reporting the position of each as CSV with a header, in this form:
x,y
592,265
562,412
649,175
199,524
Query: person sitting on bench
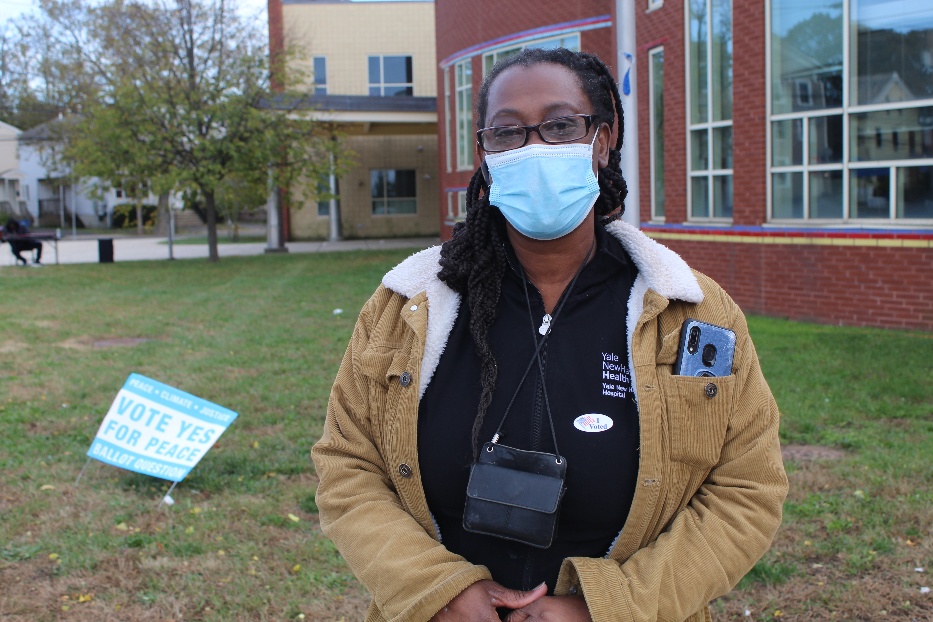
x,y
15,233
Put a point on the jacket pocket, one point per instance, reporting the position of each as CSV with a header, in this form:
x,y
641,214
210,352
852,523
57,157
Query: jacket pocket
x,y
698,413
382,363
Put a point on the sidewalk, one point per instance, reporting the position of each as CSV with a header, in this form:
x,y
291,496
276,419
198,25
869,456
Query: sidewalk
x,y
79,250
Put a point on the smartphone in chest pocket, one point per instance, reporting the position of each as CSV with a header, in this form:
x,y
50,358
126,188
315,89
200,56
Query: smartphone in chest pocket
x,y
704,350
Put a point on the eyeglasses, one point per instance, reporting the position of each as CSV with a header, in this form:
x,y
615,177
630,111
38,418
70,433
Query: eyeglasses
x,y
553,131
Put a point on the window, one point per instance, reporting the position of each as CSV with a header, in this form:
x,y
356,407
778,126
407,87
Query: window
x,y
323,192
464,94
390,76
570,41
710,108
393,192
456,205
320,75
851,110
656,94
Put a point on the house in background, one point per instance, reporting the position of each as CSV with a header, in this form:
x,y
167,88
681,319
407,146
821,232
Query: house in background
x,y
13,192
52,198
371,69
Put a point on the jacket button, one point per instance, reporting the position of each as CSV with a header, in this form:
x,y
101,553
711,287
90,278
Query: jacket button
x,y
404,470
405,379
711,390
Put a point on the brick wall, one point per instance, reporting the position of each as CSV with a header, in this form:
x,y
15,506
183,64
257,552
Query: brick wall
x,y
749,114
847,285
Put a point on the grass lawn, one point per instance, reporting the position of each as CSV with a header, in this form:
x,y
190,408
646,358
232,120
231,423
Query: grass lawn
x,y
260,336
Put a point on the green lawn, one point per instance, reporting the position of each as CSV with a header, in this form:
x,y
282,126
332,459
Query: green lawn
x,y
260,336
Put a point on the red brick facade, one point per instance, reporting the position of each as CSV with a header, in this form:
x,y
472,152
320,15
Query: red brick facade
x,y
831,275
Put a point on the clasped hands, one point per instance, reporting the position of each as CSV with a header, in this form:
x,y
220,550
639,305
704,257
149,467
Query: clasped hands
x,y
478,603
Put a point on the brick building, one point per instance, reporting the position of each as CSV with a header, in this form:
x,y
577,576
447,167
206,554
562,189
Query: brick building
x,y
785,148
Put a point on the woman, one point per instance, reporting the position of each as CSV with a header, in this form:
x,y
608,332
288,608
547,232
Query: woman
x,y
547,326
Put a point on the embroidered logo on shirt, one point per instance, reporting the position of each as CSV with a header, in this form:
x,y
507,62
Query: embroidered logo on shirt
x,y
616,380
592,422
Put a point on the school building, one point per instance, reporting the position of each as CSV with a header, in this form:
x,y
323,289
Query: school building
x,y
370,71
785,148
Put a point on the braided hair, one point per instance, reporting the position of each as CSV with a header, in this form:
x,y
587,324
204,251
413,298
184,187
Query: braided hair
x,y
473,261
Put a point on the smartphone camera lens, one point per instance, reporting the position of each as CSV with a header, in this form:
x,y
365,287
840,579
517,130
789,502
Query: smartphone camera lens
x,y
693,342
709,355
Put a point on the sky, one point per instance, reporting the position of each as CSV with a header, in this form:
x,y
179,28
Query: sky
x,y
14,8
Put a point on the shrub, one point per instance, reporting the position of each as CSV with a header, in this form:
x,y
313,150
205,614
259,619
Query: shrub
x,y
124,215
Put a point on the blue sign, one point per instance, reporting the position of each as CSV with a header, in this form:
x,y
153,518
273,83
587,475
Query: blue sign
x,y
158,430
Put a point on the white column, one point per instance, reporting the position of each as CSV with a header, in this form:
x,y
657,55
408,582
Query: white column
x,y
626,65
273,227
334,211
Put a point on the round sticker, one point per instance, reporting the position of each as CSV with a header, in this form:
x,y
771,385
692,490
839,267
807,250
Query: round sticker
x,y
592,422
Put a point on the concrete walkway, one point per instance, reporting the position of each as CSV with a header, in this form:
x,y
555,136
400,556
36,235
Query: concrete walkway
x,y
85,250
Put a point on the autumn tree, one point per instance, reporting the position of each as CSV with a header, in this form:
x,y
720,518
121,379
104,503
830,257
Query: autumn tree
x,y
181,101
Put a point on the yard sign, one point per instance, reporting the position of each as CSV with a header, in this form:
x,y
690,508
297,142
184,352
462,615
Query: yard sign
x,y
158,430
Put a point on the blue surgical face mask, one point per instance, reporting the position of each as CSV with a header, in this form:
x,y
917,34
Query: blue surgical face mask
x,y
544,191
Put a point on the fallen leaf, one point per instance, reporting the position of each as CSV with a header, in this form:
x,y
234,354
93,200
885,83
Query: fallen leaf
x,y
189,529
84,598
778,613
47,487
296,567
53,556
911,542
122,527
293,518
860,494
255,444
221,552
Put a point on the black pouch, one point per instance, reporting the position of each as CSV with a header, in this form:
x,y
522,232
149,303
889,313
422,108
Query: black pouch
x,y
515,494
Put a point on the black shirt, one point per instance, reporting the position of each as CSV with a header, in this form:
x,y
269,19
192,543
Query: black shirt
x,y
586,376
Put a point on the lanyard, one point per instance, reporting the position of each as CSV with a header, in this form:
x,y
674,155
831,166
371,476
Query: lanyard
x,y
545,331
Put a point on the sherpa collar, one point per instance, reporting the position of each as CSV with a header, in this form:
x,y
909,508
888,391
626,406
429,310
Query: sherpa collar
x,y
659,269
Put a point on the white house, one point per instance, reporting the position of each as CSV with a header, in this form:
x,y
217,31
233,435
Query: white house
x,y
50,197
12,189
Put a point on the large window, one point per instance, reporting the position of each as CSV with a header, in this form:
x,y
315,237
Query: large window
x,y
390,75
320,75
852,110
464,93
456,205
570,41
393,191
656,93
710,115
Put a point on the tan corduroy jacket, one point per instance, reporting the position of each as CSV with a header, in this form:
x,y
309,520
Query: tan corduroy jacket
x,y
710,483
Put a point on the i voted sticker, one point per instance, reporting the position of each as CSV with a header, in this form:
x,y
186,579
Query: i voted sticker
x,y
592,423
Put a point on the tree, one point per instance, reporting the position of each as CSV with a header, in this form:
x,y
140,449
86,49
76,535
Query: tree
x,y
180,101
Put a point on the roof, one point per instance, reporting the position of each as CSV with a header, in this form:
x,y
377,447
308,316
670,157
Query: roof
x,y
353,103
